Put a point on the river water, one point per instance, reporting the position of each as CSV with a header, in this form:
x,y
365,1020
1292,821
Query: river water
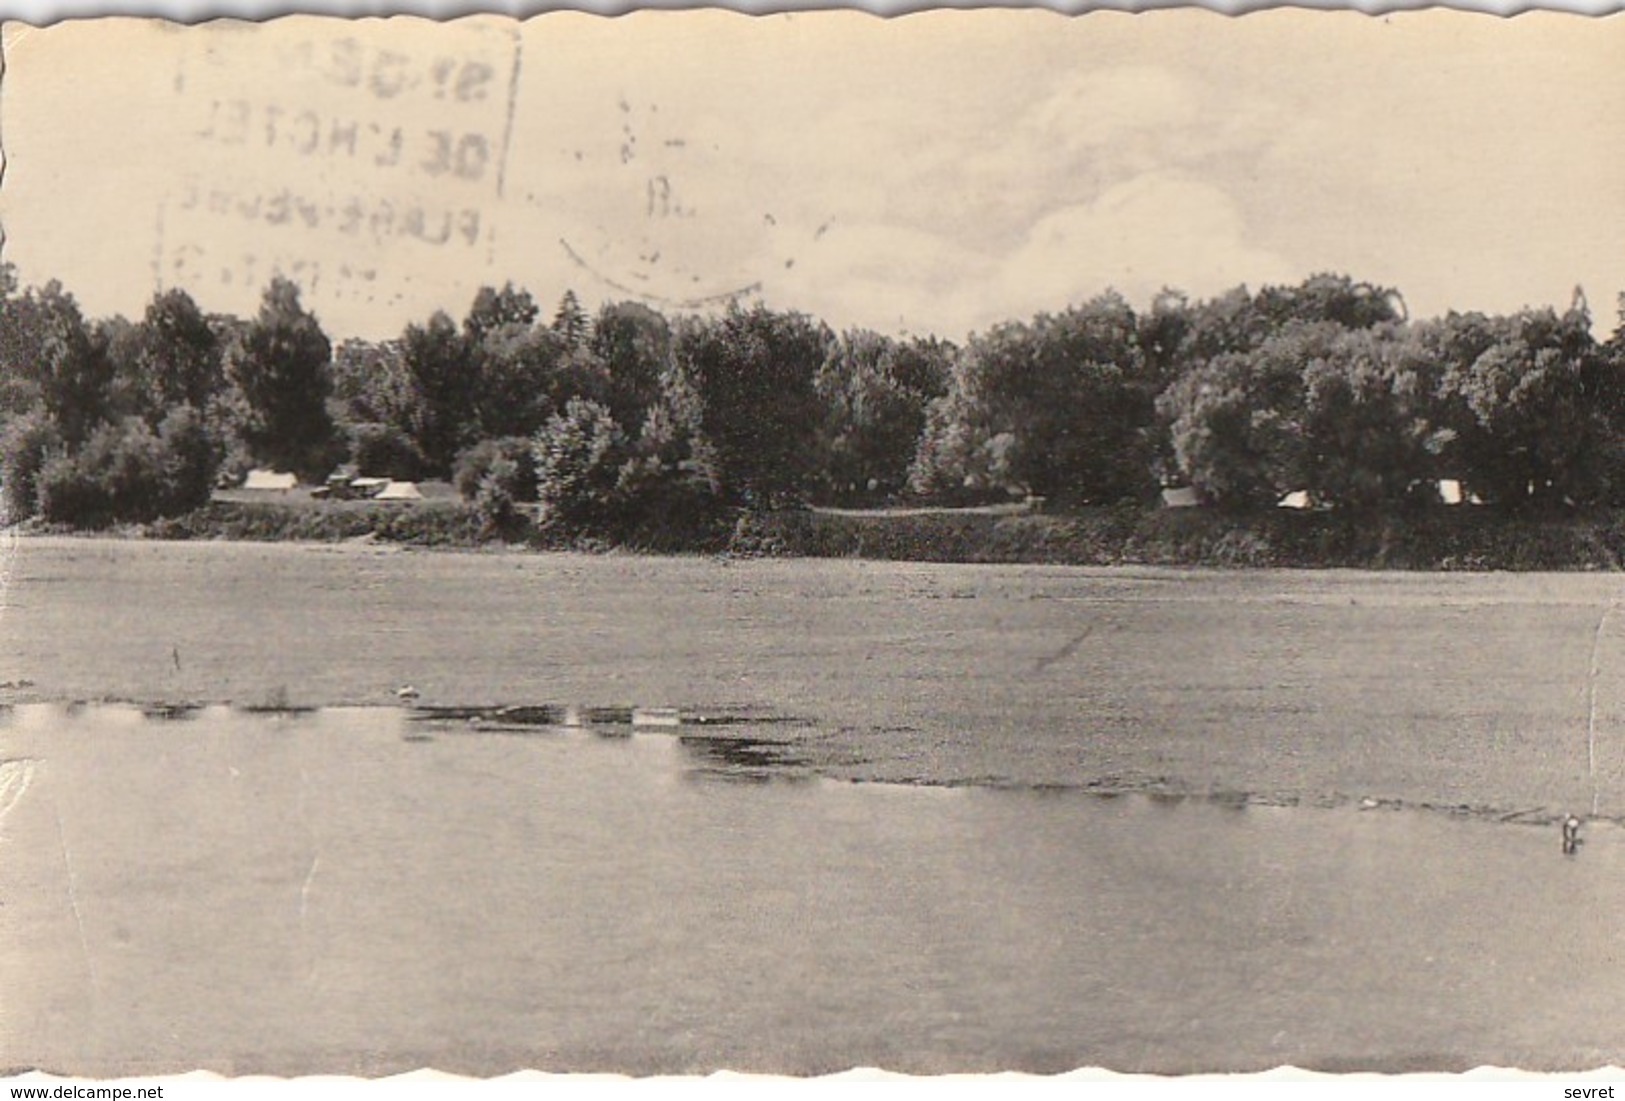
x,y
350,891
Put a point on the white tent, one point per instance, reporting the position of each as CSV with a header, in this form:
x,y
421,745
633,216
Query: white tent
x,y
269,479
399,491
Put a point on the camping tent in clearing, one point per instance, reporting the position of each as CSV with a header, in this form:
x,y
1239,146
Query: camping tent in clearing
x,y
270,479
399,491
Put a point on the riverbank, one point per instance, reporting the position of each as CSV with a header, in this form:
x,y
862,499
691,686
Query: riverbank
x,y
1445,539
1487,694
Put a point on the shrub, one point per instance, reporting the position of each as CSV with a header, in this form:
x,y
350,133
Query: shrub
x,y
25,445
668,507
190,461
955,461
667,492
494,505
117,475
779,533
512,459
385,451
125,472
578,459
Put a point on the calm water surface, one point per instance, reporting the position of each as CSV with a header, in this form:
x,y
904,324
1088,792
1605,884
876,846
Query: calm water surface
x,y
349,891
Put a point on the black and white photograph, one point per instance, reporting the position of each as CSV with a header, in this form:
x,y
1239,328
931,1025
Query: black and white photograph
x,y
963,542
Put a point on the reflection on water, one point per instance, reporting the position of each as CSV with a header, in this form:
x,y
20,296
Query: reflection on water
x,y
745,758
351,891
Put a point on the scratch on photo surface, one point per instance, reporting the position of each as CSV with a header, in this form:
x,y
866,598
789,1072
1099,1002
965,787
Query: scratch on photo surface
x,y
10,544
512,111
1064,652
15,776
304,891
1592,676
310,872
73,901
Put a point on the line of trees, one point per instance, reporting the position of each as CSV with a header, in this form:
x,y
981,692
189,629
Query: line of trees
x,y
629,425
112,420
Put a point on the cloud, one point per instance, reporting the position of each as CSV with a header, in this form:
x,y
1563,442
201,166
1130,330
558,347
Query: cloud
x,y
1092,132
886,277
1087,110
1155,230
1011,194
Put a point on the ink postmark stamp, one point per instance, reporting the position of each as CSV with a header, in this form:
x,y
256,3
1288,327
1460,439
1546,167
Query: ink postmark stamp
x,y
334,157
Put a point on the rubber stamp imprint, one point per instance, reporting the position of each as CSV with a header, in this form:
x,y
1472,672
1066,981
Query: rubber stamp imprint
x,y
347,157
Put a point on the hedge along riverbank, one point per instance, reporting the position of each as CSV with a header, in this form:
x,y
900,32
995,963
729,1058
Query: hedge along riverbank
x,y
1444,539
445,524
428,524
1439,539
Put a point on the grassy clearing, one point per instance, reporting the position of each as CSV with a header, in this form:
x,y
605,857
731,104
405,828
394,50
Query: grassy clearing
x,y
1452,690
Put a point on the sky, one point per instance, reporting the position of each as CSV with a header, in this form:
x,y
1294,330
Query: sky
x,y
934,173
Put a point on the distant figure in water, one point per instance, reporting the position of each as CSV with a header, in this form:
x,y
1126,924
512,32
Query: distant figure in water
x,y
406,693
1571,835
175,656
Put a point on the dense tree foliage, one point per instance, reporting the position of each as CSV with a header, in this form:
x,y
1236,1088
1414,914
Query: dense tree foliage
x,y
876,392
127,471
578,458
444,391
754,373
1529,429
628,425
494,309
371,385
384,450
570,321
1238,426
282,365
1060,408
107,421
177,357
71,367
27,442
632,343
1369,441
510,461
1360,410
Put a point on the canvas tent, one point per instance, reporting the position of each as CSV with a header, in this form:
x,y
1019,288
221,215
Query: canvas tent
x,y
399,491
270,479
